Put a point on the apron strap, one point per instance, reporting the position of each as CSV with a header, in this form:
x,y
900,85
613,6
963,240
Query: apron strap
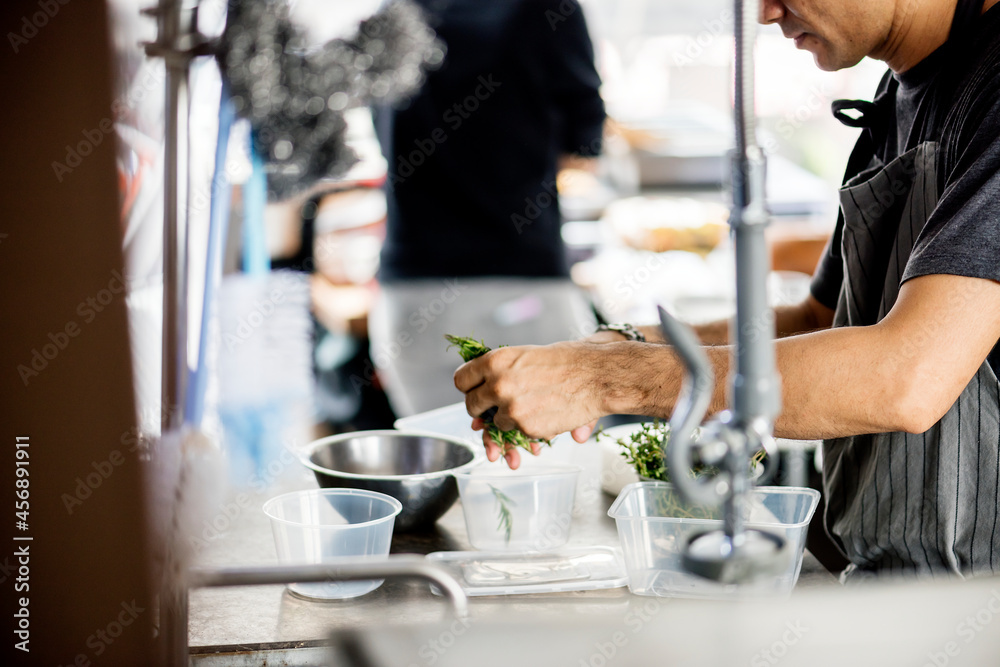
x,y
966,14
866,117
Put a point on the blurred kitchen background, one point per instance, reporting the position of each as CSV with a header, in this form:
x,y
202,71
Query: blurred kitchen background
x,y
647,226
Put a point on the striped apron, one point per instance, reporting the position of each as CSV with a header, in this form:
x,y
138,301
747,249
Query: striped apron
x,y
899,503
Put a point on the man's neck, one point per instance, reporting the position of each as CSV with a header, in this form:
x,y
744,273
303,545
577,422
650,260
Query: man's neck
x,y
918,29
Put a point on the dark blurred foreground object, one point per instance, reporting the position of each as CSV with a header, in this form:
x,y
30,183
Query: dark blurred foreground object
x,y
77,569
295,95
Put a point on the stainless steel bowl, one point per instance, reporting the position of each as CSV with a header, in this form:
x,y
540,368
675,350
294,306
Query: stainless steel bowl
x,y
414,468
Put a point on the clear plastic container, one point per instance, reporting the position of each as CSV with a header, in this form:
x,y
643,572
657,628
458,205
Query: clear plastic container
x,y
505,573
327,525
654,526
529,509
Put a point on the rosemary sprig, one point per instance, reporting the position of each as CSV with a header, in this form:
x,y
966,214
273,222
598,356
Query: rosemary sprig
x,y
506,519
469,349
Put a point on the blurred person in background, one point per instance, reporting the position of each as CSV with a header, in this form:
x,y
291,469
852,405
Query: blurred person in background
x,y
473,244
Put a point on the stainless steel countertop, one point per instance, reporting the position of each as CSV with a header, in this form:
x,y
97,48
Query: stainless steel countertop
x,y
230,619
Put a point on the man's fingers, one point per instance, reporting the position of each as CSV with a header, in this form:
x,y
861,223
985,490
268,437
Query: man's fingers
x,y
492,453
478,401
513,458
470,375
492,448
582,433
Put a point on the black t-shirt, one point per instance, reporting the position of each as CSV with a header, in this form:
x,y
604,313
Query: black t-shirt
x,y
472,158
953,98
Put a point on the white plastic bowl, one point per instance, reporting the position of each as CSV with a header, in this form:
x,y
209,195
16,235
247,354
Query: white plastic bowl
x,y
653,541
327,525
538,501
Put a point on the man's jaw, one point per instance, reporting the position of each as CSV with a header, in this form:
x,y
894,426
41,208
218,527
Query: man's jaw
x,y
808,41
796,33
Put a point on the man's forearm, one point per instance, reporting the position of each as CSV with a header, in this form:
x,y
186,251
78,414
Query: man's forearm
x,y
713,333
902,374
788,321
834,383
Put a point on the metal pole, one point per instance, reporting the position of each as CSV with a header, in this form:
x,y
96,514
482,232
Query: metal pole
x,y
756,386
178,23
396,566
177,42
736,553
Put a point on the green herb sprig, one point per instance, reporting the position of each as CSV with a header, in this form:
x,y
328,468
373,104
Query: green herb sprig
x,y
506,519
469,349
644,450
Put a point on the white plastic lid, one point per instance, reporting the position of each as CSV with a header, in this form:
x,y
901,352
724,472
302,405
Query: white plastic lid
x,y
505,573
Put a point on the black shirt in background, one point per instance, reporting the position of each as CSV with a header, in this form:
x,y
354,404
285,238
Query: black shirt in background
x,y
472,158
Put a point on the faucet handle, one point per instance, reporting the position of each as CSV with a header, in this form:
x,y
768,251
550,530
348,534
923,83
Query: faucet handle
x,y
689,412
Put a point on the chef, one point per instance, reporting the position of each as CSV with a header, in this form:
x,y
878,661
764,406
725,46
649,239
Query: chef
x,y
893,358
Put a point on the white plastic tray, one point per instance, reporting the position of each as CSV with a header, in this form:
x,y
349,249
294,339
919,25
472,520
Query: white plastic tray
x,y
505,573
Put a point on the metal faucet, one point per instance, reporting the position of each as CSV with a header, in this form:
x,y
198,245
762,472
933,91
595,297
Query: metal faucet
x,y
734,554
416,567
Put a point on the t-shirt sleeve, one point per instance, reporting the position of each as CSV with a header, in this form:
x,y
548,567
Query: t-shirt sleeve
x,y
962,235
829,274
571,76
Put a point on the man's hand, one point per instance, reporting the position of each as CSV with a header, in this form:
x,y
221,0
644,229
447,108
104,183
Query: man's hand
x,y
513,454
543,391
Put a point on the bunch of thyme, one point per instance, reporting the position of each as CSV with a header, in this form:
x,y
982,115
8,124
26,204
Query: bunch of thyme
x,y
644,450
469,349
